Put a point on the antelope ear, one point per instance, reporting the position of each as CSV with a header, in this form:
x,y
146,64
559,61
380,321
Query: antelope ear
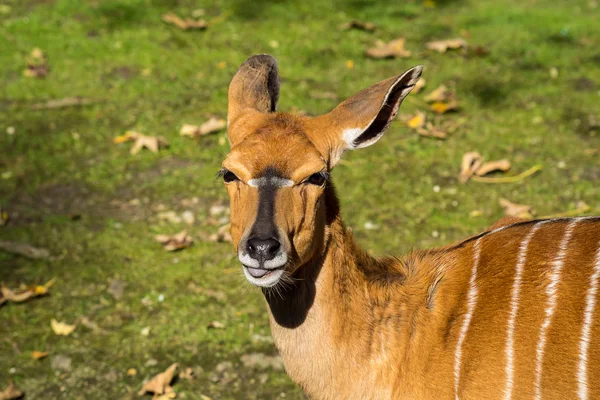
x,y
362,119
254,88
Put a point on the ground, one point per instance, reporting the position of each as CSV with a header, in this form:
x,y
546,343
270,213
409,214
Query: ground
x,y
529,90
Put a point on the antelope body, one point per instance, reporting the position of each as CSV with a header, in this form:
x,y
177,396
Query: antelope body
x,y
509,314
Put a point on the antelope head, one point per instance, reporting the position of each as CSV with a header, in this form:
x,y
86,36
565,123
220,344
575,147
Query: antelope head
x,y
277,171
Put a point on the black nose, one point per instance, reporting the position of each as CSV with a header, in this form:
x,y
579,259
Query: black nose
x,y
263,249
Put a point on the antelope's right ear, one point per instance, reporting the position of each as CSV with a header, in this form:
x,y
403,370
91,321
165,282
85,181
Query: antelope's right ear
x,y
253,89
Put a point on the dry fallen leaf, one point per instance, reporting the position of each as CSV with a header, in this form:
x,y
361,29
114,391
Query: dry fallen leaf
x,y
516,210
184,24
471,162
360,25
37,64
216,325
393,49
491,166
21,295
62,103
131,372
12,392
61,328
187,374
419,85
222,235
440,94
178,241
152,143
441,107
24,249
38,355
418,121
442,46
91,325
210,126
161,383
431,130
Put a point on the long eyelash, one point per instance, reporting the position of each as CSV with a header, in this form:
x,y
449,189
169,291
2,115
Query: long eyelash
x,y
221,173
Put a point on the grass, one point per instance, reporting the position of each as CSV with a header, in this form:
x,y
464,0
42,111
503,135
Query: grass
x,y
145,75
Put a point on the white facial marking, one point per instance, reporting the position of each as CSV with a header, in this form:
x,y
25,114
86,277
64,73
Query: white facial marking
x,y
584,343
514,307
552,295
471,303
274,264
272,181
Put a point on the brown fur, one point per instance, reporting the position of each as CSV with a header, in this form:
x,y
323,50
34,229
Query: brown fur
x,y
350,326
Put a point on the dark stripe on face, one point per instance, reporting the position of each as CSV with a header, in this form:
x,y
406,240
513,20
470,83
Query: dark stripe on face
x,y
264,226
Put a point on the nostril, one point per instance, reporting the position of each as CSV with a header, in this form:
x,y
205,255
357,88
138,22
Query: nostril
x,y
273,246
265,249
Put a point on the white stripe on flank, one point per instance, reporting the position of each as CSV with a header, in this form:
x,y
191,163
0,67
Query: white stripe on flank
x,y
590,305
471,303
551,293
514,308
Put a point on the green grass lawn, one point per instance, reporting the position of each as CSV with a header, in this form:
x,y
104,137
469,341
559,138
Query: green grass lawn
x,y
533,98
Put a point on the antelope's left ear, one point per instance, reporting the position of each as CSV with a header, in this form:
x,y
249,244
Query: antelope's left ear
x,y
362,119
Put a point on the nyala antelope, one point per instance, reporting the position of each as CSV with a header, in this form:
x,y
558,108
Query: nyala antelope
x,y
508,314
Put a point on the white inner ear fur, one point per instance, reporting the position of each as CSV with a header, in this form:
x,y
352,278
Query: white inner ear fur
x,y
349,135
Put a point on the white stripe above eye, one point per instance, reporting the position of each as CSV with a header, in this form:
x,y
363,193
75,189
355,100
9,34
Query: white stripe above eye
x,y
471,303
270,181
514,308
584,343
552,296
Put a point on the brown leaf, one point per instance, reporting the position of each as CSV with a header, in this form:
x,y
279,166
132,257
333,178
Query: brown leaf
x,y
210,126
61,328
161,383
441,94
471,162
491,166
222,235
360,25
184,24
393,49
516,210
37,64
187,374
38,355
85,321
21,295
216,325
62,103
24,249
12,392
442,46
175,242
430,130
141,141
419,85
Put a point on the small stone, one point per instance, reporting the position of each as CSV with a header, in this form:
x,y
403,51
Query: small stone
x,y
11,130
436,189
151,362
371,226
145,331
435,234
161,298
61,362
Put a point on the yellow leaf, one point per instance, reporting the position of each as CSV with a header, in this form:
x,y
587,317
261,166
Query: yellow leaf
x,y
38,355
417,121
61,328
440,107
349,64
393,49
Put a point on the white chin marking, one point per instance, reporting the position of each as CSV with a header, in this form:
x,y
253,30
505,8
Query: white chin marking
x,y
269,280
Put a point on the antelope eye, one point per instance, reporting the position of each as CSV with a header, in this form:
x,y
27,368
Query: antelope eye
x,y
229,176
317,179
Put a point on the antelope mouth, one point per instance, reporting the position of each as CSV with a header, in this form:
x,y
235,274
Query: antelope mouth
x,y
263,277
